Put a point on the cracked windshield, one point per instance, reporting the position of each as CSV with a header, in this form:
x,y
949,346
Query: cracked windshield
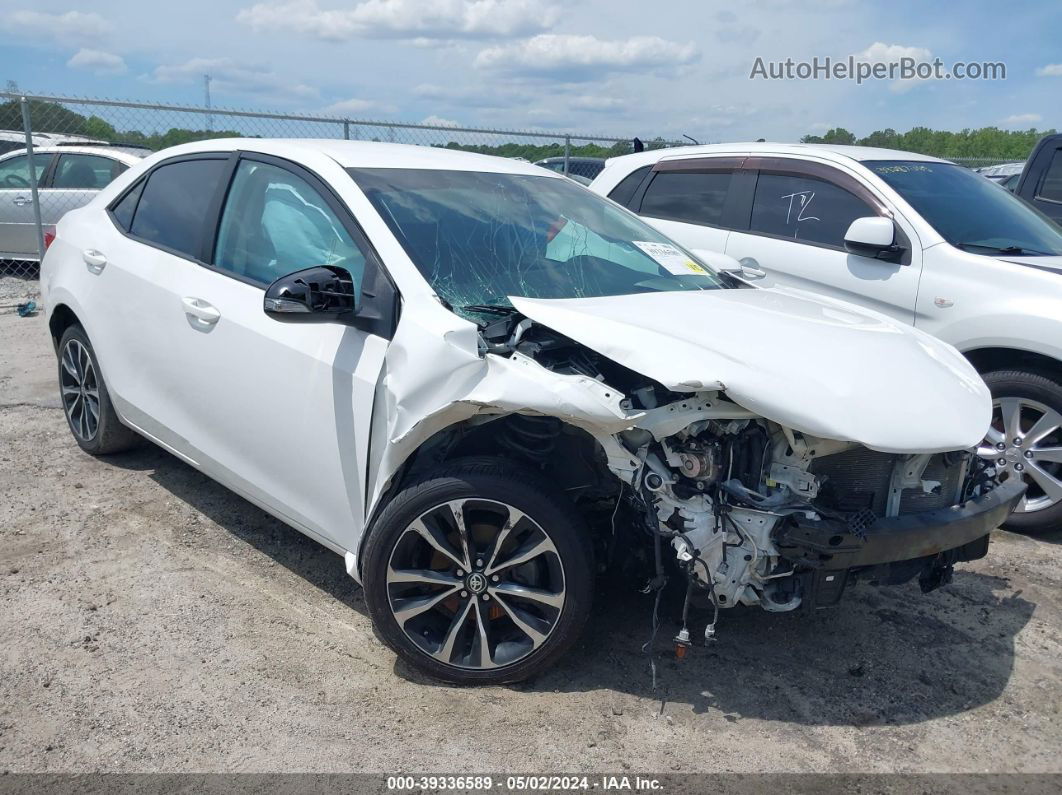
x,y
479,237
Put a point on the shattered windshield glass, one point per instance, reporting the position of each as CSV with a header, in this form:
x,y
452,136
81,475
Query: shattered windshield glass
x,y
479,237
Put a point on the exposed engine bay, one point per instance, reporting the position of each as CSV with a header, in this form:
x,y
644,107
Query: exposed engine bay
x,y
752,512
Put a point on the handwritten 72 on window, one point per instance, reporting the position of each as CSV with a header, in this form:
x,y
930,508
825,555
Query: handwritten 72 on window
x,y
799,201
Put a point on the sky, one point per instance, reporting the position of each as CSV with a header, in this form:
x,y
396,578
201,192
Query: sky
x,y
617,67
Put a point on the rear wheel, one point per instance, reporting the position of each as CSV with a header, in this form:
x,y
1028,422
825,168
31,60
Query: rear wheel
x,y
1025,441
479,574
86,402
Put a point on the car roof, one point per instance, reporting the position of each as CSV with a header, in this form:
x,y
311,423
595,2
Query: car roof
x,y
835,152
365,154
113,152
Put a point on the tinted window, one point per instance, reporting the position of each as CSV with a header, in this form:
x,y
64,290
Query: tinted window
x,y
86,172
1051,188
275,223
624,192
174,204
806,209
478,238
14,172
123,210
969,211
693,196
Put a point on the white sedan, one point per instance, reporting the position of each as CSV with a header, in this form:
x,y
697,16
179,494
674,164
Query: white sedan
x,y
472,379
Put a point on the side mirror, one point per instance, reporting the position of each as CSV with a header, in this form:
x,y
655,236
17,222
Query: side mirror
x,y
314,295
872,236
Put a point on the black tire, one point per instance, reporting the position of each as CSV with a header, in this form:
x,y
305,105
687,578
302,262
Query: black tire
x,y
549,512
1048,392
108,435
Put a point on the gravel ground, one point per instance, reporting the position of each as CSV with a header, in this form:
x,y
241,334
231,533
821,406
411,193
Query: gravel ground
x,y
151,620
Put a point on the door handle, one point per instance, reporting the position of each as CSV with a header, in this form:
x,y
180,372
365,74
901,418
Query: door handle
x,y
94,260
750,269
201,310
21,201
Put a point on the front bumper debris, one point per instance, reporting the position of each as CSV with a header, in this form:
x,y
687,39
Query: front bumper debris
x,y
832,544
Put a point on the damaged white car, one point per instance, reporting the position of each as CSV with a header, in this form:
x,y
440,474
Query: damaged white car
x,y
482,384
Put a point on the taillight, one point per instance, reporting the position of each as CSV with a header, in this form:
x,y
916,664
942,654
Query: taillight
x,y
49,236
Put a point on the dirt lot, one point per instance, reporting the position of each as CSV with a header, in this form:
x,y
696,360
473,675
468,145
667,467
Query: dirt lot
x,y
153,621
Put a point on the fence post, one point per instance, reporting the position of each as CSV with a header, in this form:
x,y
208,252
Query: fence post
x,y
346,130
567,151
34,196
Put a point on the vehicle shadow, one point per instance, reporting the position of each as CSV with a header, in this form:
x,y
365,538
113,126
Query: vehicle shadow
x,y
283,544
883,656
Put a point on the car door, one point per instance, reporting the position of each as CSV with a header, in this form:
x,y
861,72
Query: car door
x,y
18,228
278,411
74,180
688,200
792,234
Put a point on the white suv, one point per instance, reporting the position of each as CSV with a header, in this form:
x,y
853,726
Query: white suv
x,y
923,240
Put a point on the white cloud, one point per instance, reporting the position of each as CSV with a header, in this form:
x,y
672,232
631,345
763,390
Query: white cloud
x,y
66,26
356,106
596,102
1051,70
577,58
421,20
879,52
1022,118
98,62
439,121
231,76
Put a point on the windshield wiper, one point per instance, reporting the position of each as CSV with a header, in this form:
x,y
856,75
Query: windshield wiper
x,y
1012,251
490,309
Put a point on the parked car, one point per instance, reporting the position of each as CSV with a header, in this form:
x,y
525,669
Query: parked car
x,y
1041,180
588,167
473,379
67,177
925,241
1005,174
11,140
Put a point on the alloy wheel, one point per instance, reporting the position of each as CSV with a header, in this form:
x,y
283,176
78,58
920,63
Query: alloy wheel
x,y
80,390
476,584
1025,441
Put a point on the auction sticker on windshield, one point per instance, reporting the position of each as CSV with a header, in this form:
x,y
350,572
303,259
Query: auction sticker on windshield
x,y
670,258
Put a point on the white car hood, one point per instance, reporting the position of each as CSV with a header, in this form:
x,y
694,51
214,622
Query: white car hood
x,y
816,365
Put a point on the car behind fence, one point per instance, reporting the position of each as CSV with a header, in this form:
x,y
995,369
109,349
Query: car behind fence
x,y
76,145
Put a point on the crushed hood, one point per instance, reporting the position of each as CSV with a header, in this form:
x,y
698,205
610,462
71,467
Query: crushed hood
x,y
813,364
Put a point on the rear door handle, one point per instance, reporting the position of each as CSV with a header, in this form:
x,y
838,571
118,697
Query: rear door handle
x,y
201,310
21,201
94,260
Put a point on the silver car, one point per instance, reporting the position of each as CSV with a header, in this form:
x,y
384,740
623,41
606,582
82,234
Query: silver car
x,y
67,177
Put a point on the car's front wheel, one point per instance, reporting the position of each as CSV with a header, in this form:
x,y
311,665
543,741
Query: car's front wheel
x,y
479,573
1025,441
86,401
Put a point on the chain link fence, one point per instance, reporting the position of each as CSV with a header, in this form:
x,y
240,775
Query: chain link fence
x,y
34,197
64,176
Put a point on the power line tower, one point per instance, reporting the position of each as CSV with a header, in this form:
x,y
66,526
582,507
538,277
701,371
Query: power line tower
x,y
206,92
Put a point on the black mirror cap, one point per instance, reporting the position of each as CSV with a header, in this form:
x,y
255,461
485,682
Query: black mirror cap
x,y
891,253
314,295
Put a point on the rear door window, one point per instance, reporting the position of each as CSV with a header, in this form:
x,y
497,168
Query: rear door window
x,y
804,208
696,197
173,207
85,172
